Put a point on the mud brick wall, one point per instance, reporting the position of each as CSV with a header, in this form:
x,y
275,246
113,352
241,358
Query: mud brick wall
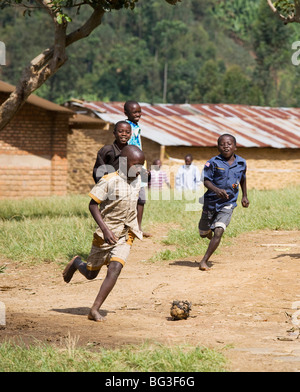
x,y
267,168
33,154
83,145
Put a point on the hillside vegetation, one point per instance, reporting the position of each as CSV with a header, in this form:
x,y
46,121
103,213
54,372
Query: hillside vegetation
x,y
232,51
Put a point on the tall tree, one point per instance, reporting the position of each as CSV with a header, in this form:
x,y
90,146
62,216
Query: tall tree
x,y
287,10
270,43
46,64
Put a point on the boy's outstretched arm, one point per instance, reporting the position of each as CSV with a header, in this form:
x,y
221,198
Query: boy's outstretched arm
x,y
243,183
221,193
109,236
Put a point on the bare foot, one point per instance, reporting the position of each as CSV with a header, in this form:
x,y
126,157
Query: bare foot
x,y
94,315
70,270
147,235
203,266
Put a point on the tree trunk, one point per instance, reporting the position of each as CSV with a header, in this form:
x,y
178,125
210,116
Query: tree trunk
x,y
46,64
165,88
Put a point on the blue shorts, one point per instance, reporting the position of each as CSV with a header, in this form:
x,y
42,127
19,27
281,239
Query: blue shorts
x,y
212,219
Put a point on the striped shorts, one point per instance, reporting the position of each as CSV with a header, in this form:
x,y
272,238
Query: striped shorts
x,y
102,253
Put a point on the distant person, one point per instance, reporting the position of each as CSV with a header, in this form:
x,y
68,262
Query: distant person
x,y
158,177
113,207
188,176
222,176
107,160
133,111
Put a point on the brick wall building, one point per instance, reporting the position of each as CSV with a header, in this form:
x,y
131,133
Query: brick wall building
x,y
88,135
33,149
268,138
267,168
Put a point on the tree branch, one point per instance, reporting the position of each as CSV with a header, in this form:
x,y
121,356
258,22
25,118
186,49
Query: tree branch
x,y
294,17
85,30
42,67
47,63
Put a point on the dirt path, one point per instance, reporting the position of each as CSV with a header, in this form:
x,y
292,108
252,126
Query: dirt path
x,y
245,305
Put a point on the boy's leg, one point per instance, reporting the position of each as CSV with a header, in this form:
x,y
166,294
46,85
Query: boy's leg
x,y
113,272
213,244
204,225
118,257
140,210
95,261
220,221
77,264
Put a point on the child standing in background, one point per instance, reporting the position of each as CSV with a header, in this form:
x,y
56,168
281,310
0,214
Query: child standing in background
x,y
158,177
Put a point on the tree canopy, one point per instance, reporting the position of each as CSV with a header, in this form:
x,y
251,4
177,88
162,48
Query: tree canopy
x,y
46,64
287,10
198,51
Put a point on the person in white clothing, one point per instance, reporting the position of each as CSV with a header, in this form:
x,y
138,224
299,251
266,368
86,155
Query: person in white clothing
x,y
188,176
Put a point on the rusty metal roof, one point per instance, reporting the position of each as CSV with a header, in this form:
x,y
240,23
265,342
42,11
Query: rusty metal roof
x,y
200,125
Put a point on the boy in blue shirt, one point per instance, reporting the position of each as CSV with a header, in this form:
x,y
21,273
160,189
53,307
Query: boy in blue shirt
x,y
133,111
222,176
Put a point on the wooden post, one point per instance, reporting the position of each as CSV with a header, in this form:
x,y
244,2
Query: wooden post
x,y
162,153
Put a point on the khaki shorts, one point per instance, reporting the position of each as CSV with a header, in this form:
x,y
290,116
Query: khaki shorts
x,y
102,253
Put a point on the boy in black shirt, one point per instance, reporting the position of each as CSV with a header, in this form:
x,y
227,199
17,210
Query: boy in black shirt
x,y
107,160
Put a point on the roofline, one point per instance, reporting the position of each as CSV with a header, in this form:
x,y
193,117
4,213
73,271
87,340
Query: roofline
x,y
35,100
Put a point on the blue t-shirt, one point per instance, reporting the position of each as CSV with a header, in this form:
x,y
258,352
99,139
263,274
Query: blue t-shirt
x,y
135,139
223,176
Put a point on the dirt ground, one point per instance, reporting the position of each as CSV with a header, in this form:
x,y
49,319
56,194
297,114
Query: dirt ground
x,y
246,305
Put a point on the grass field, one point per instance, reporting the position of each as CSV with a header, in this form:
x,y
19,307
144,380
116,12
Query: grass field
x,y
54,229
143,358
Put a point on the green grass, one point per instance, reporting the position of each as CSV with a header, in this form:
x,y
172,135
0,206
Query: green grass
x,y
57,228
142,358
45,229
35,208
272,210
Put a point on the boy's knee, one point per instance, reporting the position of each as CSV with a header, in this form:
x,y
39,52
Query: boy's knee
x,y
206,234
115,267
218,232
90,275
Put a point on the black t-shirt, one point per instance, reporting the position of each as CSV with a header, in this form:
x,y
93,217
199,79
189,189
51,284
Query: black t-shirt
x,y
107,161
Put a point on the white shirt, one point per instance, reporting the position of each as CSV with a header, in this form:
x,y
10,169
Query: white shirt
x,y
188,177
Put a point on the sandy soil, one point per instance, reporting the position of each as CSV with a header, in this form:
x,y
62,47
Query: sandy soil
x,y
246,305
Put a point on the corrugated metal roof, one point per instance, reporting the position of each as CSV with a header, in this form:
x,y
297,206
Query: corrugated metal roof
x,y
83,120
202,124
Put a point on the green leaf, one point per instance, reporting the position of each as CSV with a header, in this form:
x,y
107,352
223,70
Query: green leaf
x,y
59,18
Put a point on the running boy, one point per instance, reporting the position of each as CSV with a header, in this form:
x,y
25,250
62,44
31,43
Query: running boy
x,y
133,111
113,207
222,176
107,160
